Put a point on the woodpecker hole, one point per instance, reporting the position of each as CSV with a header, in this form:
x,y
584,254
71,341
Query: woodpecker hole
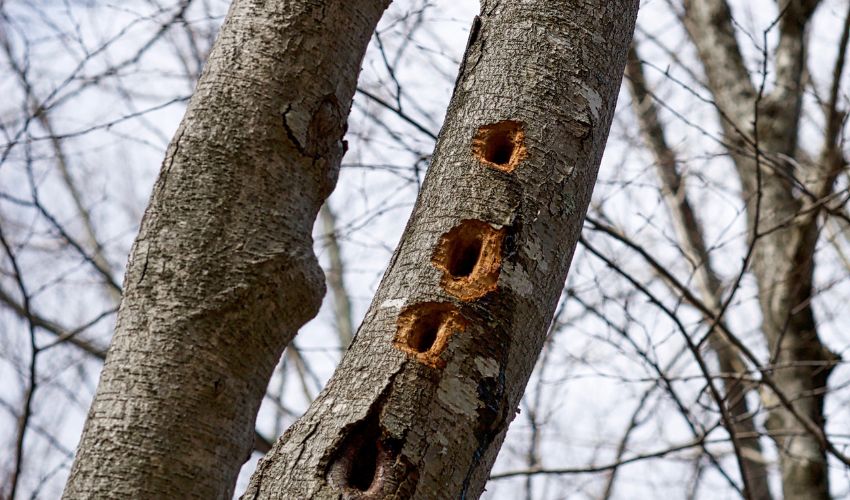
x,y
465,256
423,336
363,461
470,256
364,464
500,145
424,331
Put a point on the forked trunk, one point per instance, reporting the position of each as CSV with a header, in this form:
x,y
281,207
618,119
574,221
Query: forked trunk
x,y
421,401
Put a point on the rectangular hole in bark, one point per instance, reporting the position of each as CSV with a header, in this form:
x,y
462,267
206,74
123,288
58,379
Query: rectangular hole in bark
x,y
500,145
424,333
465,255
470,256
424,330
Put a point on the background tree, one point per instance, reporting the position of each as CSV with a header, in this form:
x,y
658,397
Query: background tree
x,y
617,405
784,197
690,236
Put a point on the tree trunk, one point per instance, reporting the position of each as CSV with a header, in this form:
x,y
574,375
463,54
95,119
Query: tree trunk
x,y
782,236
690,234
336,280
223,273
421,401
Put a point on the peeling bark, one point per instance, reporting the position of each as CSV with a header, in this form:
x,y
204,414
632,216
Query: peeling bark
x,y
483,259
223,273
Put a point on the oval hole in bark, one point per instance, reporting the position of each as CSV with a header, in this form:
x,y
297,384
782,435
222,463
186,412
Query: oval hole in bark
x,y
470,256
357,463
500,145
424,330
364,464
368,463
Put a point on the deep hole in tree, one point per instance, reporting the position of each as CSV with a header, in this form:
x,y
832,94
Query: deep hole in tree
x,y
470,257
425,332
356,463
500,147
364,464
465,255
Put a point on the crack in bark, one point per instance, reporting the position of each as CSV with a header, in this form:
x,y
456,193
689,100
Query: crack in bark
x,y
290,134
491,419
144,268
166,169
474,31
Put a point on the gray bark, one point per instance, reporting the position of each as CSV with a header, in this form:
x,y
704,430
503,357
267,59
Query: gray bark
x,y
783,243
222,273
336,281
690,234
421,401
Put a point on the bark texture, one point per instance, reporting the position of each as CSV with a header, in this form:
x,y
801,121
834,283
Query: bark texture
x,y
420,403
760,129
690,234
223,273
